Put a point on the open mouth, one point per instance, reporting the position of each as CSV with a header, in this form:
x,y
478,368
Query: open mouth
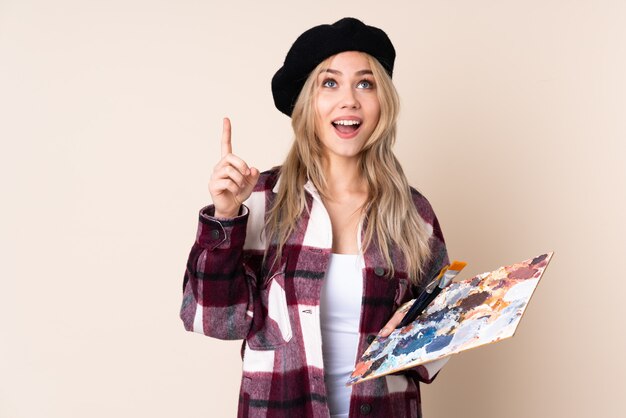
x,y
346,127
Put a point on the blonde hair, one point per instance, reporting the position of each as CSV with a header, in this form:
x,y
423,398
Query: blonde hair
x,y
390,215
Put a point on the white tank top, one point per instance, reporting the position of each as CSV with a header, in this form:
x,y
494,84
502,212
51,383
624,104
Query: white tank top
x,y
340,313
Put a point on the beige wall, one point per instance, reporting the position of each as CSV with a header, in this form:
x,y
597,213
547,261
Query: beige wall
x,y
513,125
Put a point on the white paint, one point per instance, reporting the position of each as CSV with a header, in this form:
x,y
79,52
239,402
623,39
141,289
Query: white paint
x,y
466,332
456,292
522,290
503,327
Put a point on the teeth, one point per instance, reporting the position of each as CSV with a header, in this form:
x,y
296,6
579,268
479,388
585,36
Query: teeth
x,y
346,122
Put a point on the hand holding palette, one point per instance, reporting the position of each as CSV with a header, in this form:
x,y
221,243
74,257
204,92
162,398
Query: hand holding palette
x,y
484,309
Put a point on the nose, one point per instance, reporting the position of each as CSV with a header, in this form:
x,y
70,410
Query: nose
x,y
349,99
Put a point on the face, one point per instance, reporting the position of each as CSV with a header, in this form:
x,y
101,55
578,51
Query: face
x,y
346,104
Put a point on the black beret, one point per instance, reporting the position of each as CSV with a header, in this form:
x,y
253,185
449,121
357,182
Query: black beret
x,y
321,42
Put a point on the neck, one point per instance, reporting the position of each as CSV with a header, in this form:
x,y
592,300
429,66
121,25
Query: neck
x,y
343,175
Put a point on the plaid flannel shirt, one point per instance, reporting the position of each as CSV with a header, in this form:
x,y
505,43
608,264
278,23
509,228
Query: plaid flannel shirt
x,y
230,293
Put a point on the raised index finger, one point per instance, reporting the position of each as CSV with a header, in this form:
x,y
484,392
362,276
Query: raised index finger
x,y
227,147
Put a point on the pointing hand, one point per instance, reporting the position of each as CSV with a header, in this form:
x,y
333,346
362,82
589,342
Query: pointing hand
x,y
232,180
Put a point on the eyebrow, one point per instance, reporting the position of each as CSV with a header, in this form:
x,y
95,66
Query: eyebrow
x,y
360,72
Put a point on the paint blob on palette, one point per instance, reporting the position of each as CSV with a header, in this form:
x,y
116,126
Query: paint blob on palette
x,y
467,314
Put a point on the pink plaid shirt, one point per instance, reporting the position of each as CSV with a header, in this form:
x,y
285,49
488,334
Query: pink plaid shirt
x,y
229,293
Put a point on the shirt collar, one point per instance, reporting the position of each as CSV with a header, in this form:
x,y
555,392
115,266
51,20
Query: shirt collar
x,y
308,186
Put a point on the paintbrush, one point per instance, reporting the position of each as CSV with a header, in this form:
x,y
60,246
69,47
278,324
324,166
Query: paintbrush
x,y
430,292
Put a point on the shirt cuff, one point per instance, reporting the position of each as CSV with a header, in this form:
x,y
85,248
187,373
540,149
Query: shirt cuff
x,y
222,233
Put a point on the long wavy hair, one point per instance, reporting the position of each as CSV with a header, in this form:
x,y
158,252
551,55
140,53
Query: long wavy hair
x,y
389,215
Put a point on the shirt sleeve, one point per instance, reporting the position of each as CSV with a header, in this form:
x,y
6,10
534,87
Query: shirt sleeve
x,y
219,285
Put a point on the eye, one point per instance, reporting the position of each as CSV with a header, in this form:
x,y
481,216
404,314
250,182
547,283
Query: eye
x,y
329,82
365,84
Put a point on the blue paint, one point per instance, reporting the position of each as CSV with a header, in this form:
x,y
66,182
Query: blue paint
x,y
438,343
438,316
413,343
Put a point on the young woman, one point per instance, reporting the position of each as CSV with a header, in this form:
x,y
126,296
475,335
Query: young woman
x,y
308,261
